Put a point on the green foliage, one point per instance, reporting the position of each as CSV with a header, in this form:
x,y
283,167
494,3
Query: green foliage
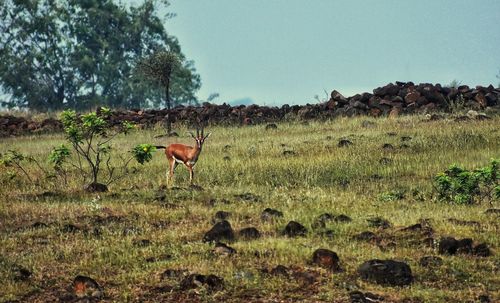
x,y
58,156
143,152
90,135
82,54
461,186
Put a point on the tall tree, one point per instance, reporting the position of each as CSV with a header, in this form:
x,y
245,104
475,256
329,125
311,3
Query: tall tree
x,y
81,53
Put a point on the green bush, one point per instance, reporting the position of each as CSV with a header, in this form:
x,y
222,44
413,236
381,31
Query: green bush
x,y
143,152
462,186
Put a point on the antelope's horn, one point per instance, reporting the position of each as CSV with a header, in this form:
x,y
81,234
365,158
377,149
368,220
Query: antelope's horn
x,y
202,132
192,135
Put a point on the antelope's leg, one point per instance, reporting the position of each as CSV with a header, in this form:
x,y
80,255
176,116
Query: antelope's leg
x,y
171,167
191,174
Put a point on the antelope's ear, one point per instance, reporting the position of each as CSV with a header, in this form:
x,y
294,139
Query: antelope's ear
x,y
207,136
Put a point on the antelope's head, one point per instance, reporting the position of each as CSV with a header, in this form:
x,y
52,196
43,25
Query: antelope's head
x,y
199,138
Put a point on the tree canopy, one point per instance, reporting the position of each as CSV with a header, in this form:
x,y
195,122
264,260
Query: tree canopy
x,y
82,53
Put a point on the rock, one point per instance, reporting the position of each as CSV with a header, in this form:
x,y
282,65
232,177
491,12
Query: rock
x,y
86,287
379,222
481,250
451,246
342,218
173,274
220,216
220,231
223,249
484,299
344,143
271,126
96,188
386,272
405,138
294,229
249,233
20,273
289,153
388,146
280,270
326,259
430,261
211,282
366,236
270,214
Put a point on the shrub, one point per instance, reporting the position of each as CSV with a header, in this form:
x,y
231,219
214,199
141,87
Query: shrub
x,y
462,186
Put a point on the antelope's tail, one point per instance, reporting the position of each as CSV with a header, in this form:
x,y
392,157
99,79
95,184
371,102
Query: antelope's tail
x,y
160,147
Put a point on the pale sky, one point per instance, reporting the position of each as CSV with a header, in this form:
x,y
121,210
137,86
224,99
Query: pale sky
x,y
288,51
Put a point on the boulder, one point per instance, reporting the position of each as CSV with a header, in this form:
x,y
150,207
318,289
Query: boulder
x,y
386,272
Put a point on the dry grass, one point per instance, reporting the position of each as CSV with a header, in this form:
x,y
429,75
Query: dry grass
x,y
320,177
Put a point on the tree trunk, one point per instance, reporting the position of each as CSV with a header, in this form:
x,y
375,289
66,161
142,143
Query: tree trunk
x,y
169,107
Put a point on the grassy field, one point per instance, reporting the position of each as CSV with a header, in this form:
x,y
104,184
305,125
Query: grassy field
x,y
298,169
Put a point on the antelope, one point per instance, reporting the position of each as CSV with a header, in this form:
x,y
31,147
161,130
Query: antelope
x,y
187,155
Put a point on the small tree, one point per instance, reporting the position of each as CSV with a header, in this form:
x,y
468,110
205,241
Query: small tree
x,y
160,68
462,186
90,135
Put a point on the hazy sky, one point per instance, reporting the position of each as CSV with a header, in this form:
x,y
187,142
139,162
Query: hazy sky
x,y
288,51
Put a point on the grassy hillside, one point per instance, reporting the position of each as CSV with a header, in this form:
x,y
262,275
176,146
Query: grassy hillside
x,y
298,169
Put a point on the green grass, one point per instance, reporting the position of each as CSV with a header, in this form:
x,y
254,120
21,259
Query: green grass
x,y
321,177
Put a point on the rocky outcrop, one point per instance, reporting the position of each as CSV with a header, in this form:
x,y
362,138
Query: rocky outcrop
x,y
391,100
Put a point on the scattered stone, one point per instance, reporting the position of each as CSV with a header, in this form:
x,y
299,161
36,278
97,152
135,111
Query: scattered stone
x,y
20,273
249,233
195,187
220,231
326,259
173,273
270,214
451,246
294,229
379,222
484,299
85,287
405,138
223,249
342,218
211,282
344,143
220,215
305,278
481,250
386,272
96,188
280,270
289,153
430,261
392,134
271,126
226,158
388,146
366,236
